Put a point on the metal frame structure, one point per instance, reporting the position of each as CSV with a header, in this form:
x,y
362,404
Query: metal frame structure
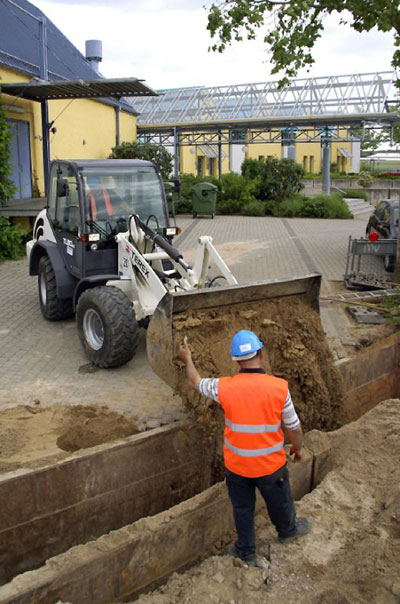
x,y
324,109
344,94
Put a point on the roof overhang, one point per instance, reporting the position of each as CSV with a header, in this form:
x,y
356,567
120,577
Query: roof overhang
x,y
40,90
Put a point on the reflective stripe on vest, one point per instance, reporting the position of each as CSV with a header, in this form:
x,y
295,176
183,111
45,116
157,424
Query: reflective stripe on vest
x,y
253,452
107,203
93,207
253,428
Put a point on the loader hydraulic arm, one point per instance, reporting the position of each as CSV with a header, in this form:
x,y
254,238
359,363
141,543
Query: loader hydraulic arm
x,y
162,243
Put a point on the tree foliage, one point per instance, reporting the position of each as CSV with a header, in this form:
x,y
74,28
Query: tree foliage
x,y
7,188
11,240
274,179
148,151
293,26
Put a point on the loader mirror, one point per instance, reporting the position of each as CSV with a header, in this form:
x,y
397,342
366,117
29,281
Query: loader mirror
x,y
62,187
177,185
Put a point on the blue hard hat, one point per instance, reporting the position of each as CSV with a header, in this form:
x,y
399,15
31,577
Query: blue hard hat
x,y
245,344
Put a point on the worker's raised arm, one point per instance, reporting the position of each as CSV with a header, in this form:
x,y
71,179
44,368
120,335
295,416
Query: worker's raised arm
x,y
191,372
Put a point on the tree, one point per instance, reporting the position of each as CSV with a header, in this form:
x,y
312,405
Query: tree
x,y
148,151
7,188
274,179
293,26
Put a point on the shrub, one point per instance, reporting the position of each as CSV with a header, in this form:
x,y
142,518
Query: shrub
x,y
355,194
7,188
254,208
392,305
365,178
11,239
291,206
273,179
236,192
148,151
325,206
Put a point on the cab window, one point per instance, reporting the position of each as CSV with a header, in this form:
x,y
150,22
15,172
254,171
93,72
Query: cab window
x,y
64,188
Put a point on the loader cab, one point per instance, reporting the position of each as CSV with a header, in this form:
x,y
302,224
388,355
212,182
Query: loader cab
x,y
90,202
117,189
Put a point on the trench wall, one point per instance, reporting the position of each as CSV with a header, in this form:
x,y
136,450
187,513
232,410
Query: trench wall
x,y
371,377
45,511
120,565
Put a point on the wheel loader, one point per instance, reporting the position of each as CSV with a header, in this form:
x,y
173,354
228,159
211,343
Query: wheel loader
x,y
102,249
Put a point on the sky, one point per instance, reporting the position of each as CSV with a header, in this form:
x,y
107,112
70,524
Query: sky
x,y
165,42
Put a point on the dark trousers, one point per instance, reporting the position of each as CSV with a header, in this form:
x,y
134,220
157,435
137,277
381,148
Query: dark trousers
x,y
277,495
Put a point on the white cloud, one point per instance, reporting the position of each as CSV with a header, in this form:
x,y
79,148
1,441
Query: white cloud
x,y
166,43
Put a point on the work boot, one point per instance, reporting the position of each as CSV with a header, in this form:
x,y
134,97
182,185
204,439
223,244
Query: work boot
x,y
303,526
250,559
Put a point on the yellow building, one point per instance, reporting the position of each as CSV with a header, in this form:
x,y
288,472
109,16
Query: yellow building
x,y
84,128
202,160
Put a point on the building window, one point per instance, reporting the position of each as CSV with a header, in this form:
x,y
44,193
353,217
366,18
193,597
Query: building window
x,y
211,166
261,157
200,165
312,164
305,163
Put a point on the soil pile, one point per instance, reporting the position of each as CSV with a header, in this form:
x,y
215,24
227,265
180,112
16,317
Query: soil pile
x,y
29,434
294,349
352,554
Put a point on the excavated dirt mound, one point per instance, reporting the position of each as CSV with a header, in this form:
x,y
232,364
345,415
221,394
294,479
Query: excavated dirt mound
x,y
29,434
294,349
352,554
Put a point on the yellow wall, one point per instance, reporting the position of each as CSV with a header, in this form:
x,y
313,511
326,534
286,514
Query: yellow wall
x,y
85,128
264,150
188,160
127,127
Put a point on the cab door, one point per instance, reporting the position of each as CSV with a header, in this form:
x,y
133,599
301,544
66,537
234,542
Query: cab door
x,y
67,219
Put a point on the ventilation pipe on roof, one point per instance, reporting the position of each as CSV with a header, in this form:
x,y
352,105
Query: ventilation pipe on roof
x,y
94,53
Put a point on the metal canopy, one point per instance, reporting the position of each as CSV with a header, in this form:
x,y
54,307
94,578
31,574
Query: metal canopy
x,y
326,95
40,90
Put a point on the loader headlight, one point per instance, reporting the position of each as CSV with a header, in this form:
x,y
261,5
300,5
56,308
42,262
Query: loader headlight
x,y
94,247
172,231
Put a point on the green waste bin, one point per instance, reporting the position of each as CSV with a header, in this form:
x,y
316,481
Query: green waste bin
x,y
204,198
170,195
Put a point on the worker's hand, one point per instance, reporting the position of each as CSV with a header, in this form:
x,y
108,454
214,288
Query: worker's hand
x,y
184,351
298,455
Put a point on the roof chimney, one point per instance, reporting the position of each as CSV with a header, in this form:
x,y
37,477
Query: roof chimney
x,y
94,53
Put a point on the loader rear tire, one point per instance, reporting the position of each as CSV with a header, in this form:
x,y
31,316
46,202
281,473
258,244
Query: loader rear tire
x,y
52,307
107,326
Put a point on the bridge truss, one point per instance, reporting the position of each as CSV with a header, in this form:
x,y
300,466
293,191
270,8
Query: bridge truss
x,y
327,95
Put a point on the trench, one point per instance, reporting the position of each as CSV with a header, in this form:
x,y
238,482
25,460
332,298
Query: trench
x,y
107,523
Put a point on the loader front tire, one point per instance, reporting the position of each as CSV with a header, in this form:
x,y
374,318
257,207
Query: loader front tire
x,y
52,307
107,326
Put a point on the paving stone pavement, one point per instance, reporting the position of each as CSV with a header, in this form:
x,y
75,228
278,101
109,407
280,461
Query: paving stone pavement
x,y
42,360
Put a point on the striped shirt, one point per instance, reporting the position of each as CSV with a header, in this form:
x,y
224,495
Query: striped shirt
x,y
209,387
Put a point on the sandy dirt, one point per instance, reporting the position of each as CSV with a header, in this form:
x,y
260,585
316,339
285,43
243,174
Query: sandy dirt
x,y
294,348
352,554
29,434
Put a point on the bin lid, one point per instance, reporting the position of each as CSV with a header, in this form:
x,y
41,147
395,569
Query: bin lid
x,y
204,186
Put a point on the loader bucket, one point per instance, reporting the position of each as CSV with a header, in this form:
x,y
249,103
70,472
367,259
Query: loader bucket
x,y
219,312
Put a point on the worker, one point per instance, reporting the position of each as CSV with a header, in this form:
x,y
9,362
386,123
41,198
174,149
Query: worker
x,y
255,405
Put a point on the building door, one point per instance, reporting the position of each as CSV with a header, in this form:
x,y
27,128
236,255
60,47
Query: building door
x,y
20,158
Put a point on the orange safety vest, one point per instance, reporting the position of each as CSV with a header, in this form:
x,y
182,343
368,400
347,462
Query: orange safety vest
x,y
253,437
107,203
